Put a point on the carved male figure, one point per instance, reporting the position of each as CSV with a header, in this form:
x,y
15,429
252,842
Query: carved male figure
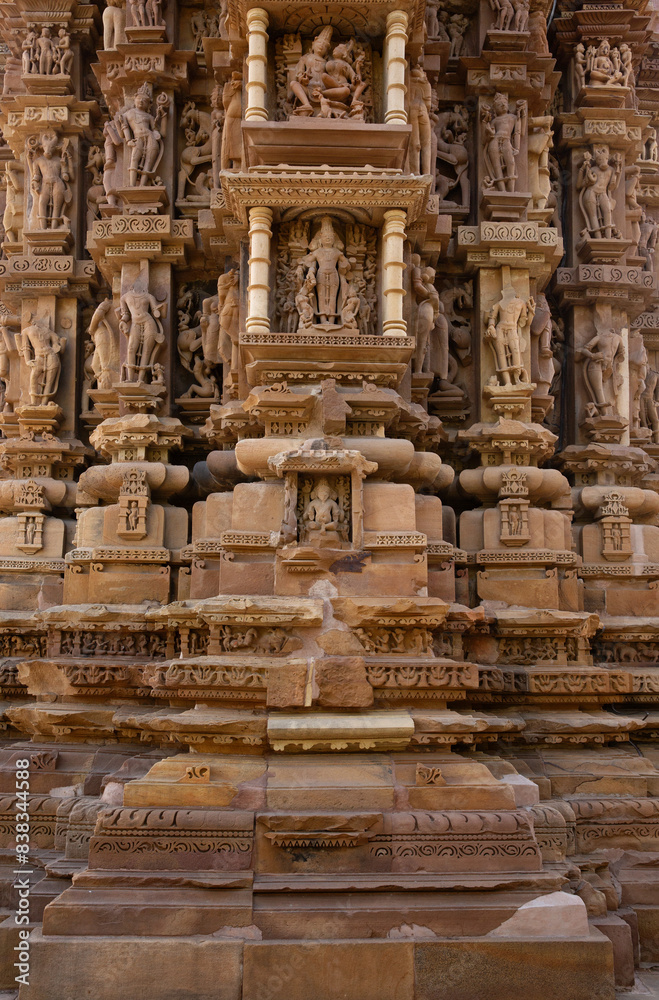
x,y
139,314
505,322
322,513
330,268
140,133
41,349
51,176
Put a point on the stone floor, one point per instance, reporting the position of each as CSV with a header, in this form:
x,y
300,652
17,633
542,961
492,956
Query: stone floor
x,y
645,988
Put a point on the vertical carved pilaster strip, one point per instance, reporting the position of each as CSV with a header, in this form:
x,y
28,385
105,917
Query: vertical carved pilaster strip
x,y
258,318
393,239
395,67
257,64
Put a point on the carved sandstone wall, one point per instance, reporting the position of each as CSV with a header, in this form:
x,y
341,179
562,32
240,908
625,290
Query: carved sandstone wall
x,y
329,535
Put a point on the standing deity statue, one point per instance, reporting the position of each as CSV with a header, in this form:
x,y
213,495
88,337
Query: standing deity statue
x,y
41,349
506,325
139,314
64,53
502,131
650,404
142,135
51,173
330,269
638,370
597,180
578,69
45,49
539,144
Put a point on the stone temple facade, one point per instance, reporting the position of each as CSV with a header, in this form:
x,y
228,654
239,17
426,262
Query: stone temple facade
x,y
329,483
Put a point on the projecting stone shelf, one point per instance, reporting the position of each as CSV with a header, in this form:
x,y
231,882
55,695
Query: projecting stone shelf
x,y
317,141
312,355
368,192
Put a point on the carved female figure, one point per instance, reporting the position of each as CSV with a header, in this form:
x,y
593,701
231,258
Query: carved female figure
x,y
198,148
427,297
596,183
228,306
101,333
502,136
420,107
29,57
603,356
114,24
232,139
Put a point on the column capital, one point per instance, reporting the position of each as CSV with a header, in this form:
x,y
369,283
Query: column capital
x,y
257,18
397,21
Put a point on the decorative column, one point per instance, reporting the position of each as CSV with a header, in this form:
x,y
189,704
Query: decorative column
x,y
257,63
393,240
258,319
395,67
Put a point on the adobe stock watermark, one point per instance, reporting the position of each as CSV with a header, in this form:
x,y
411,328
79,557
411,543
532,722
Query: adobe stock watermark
x,y
22,871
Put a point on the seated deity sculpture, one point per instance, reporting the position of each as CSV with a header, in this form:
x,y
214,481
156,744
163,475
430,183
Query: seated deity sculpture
x,y
323,516
329,84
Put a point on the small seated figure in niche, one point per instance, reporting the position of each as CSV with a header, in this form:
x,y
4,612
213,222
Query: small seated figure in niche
x,y
323,514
